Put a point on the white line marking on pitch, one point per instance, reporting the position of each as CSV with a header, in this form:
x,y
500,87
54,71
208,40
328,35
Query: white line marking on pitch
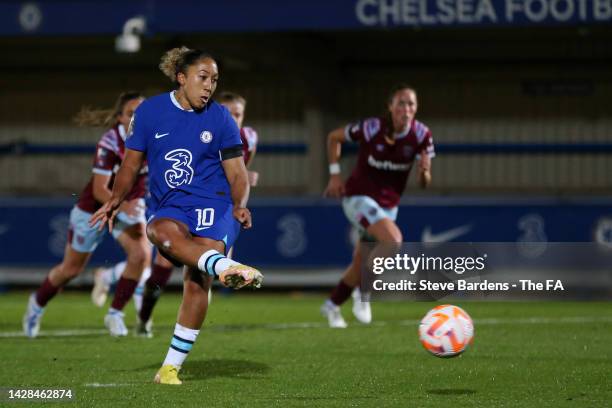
x,y
98,385
316,325
58,333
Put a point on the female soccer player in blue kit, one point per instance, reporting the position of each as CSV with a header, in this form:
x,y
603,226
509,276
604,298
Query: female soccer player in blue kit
x,y
199,190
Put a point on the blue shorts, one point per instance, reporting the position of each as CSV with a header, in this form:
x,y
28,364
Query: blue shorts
x,y
207,218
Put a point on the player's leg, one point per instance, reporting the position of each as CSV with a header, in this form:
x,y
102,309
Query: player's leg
x,y
386,231
174,239
383,231
385,234
152,290
104,279
342,291
139,291
72,265
138,251
354,209
191,315
82,241
374,224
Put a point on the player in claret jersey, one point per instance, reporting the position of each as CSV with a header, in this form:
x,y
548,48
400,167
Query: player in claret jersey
x,y
83,239
388,147
236,105
199,190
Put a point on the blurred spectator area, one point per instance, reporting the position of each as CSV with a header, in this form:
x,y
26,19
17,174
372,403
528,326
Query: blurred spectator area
x,y
477,87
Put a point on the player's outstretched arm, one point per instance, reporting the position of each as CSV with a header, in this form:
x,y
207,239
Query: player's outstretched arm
x,y
236,174
424,170
253,151
252,175
335,186
124,181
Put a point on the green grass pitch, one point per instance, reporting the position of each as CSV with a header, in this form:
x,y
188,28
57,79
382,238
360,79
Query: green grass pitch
x,y
265,350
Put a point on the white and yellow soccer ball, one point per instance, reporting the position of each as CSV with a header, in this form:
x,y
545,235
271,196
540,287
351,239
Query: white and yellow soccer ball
x,y
446,331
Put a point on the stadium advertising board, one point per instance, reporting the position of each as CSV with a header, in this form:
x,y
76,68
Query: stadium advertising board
x,y
109,17
292,233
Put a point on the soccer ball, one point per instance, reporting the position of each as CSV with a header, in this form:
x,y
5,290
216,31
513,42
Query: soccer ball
x,y
446,331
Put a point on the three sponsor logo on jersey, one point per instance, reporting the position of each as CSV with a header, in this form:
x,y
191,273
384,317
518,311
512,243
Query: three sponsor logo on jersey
x,y
181,172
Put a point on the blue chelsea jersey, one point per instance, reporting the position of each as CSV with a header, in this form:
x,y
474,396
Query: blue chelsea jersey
x,y
183,150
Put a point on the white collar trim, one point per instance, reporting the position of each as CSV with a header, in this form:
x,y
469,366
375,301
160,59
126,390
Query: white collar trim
x,y
177,104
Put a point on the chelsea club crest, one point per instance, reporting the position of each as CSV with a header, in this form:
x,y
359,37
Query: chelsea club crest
x,y
206,136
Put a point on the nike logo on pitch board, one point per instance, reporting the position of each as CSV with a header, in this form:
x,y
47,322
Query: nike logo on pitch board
x,y
428,237
160,135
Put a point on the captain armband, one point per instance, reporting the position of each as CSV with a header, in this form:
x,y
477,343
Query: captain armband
x,y
231,152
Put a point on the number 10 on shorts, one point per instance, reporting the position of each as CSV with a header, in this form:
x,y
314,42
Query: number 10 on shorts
x,y
206,218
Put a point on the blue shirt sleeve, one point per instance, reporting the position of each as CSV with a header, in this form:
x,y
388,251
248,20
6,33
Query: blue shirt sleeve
x,y
137,131
230,134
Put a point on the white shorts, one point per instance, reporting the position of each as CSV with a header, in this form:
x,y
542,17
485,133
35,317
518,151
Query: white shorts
x,y
83,238
363,211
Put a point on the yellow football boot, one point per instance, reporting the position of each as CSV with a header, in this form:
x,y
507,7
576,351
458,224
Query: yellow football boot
x,y
168,374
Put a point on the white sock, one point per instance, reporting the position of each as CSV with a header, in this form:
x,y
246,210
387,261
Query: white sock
x,y
107,276
139,291
137,298
113,311
181,344
146,273
331,304
116,272
213,263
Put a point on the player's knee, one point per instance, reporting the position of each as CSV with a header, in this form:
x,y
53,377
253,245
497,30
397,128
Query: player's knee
x,y
158,235
391,237
139,255
397,237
